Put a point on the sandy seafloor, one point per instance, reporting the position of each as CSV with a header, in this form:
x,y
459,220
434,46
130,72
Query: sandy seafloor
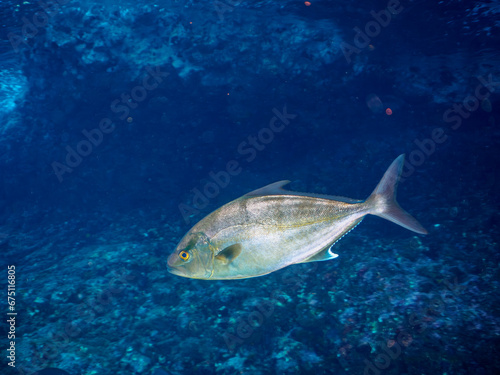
x,y
192,86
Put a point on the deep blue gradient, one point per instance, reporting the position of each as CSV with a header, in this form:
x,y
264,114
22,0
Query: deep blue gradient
x,y
121,126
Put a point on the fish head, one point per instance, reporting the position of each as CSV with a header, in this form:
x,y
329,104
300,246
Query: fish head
x,y
193,257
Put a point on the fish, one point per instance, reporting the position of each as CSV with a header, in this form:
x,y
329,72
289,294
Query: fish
x,y
271,228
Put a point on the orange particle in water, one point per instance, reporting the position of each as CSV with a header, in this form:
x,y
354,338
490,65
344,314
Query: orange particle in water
x,y
307,3
388,111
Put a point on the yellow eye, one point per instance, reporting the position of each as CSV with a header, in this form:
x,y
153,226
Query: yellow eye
x,y
184,255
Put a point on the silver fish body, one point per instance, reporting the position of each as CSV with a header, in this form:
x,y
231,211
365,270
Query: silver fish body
x,y
271,228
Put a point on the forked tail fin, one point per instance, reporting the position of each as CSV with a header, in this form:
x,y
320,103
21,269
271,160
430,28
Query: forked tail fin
x,y
382,202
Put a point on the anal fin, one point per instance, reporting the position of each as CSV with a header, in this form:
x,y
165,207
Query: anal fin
x,y
325,254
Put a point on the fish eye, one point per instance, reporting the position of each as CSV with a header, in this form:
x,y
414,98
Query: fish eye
x,y
184,255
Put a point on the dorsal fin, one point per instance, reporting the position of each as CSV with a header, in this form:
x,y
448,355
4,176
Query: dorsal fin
x,y
277,189
229,254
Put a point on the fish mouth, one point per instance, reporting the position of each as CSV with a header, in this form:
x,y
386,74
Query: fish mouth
x,y
181,272
176,271
173,269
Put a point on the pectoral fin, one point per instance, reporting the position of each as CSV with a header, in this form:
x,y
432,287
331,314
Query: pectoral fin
x,y
325,254
229,254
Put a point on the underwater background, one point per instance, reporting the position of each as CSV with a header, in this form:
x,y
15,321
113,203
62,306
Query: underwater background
x,y
120,126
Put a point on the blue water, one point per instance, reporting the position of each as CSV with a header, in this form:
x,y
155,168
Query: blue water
x,y
121,126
